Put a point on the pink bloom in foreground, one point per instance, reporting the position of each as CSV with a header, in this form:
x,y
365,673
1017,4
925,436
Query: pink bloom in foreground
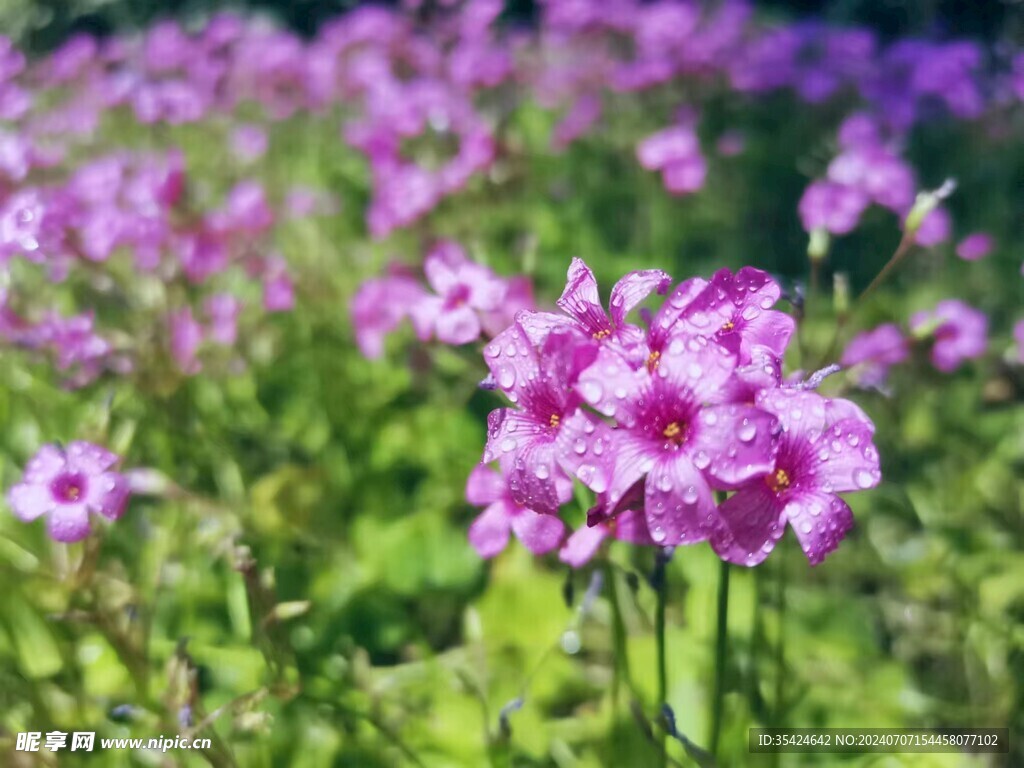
x,y
825,448
67,486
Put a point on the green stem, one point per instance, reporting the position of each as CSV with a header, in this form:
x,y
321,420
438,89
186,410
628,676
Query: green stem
x,y
660,584
780,647
620,668
721,649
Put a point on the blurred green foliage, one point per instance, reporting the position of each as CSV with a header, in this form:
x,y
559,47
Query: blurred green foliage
x,y
318,476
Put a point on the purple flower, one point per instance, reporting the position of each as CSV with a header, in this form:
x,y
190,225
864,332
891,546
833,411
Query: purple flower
x,y
735,310
248,142
676,153
936,227
67,486
223,309
675,432
584,543
584,313
871,353
960,333
825,448
975,246
832,207
379,307
548,434
186,336
489,532
463,288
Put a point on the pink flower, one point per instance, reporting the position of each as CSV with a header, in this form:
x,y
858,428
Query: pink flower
x,y
975,246
935,228
825,448
871,354
960,333
464,288
67,486
833,207
676,433
489,532
584,543
186,336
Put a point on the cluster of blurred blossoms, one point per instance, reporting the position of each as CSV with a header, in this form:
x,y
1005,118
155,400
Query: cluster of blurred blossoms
x,y
657,418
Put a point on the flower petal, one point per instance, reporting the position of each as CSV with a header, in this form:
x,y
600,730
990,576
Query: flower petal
x,y
580,298
484,486
584,444
634,288
44,466
739,440
88,458
634,458
699,365
677,502
631,526
68,522
847,460
538,533
751,522
108,495
508,431
612,386
459,325
489,532
535,479
29,501
582,545
820,521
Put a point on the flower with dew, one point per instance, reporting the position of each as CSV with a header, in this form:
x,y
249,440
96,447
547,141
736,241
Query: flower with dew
x,y
463,288
489,532
959,331
67,486
584,314
548,434
677,433
824,448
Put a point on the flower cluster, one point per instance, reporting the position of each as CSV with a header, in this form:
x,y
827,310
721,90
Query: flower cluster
x,y
75,230
657,419
956,331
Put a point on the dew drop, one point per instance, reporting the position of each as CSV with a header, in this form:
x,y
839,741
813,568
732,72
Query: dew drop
x,y
747,431
542,472
863,479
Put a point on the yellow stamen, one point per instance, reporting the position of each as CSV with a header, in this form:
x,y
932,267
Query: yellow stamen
x,y
728,326
603,334
74,492
779,481
652,361
673,430
554,420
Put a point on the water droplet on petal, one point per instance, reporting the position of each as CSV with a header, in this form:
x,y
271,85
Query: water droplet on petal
x,y
863,478
580,447
690,495
701,460
747,431
542,472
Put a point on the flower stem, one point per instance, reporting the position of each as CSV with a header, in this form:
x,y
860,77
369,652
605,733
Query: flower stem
x,y
659,582
721,649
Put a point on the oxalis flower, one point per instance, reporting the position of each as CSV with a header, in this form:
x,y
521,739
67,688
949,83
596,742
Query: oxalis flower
x,y
549,434
489,532
825,448
676,432
68,485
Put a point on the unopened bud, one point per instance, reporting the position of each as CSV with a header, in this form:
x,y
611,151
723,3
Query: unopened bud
x,y
841,293
925,203
817,248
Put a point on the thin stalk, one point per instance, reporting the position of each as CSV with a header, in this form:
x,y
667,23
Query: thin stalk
x,y
721,649
780,646
659,582
620,667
